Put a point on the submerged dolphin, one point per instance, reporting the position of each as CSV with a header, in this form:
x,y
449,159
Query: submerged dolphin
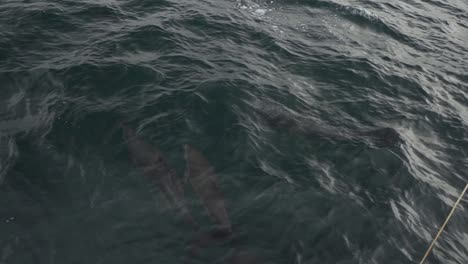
x,y
205,183
282,119
153,164
8,155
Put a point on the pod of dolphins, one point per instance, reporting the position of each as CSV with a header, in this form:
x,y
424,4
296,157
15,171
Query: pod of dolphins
x,y
204,181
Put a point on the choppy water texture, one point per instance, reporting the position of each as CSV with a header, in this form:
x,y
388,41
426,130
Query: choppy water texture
x,y
337,128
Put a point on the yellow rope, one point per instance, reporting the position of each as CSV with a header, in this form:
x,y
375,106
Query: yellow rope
x,y
443,226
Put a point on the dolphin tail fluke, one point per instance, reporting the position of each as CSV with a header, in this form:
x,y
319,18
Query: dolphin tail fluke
x,y
208,238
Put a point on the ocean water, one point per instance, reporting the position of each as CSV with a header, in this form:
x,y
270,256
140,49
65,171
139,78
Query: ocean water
x,y
337,129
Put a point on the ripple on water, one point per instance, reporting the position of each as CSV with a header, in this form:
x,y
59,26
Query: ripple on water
x,y
337,128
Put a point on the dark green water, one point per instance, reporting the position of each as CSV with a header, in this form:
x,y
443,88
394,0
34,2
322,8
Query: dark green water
x,y
284,99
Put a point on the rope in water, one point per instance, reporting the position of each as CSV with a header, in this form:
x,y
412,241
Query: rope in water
x,y
443,226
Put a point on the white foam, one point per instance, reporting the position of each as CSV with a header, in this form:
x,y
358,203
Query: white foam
x,y
260,12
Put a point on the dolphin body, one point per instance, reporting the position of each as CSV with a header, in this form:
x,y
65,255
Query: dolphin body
x,y
154,166
205,183
284,120
8,155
